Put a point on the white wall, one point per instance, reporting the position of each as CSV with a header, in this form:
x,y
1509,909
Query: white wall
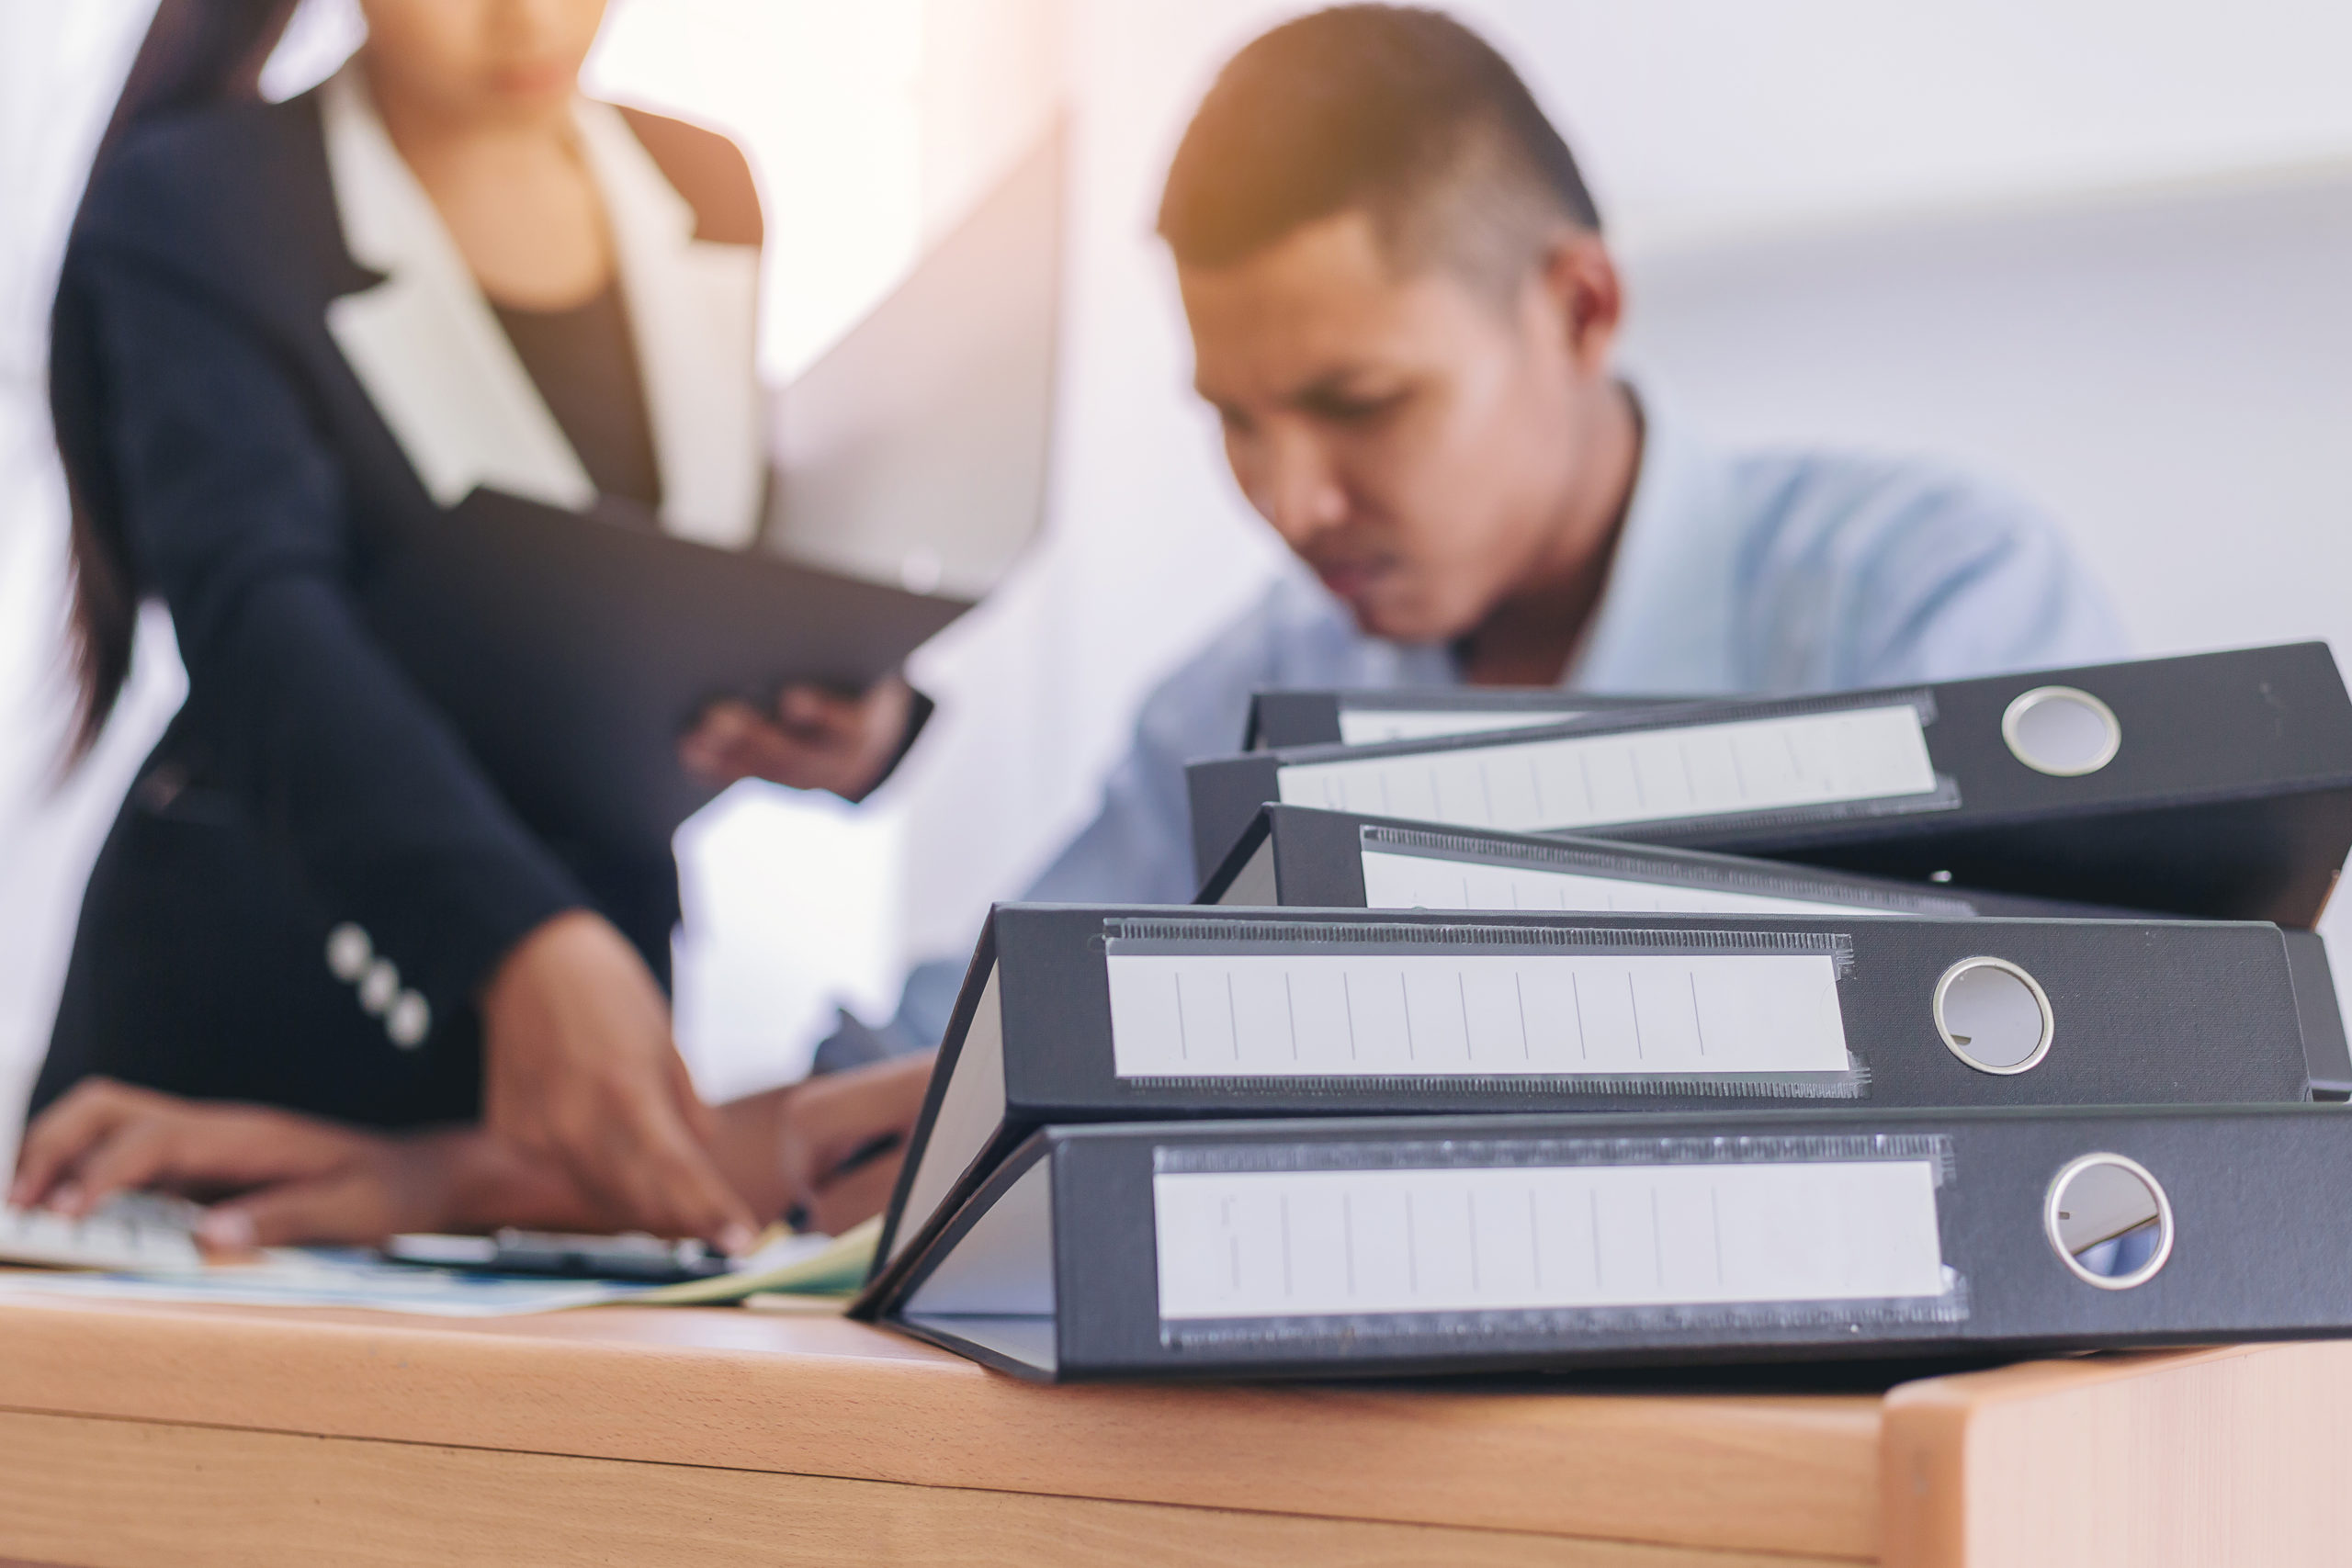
x,y
2169,368
2093,247
59,69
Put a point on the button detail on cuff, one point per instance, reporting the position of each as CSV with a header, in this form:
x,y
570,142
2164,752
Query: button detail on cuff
x,y
379,986
408,1021
349,952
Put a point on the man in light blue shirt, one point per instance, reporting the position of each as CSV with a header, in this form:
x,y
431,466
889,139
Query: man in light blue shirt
x,y
1404,313
1792,572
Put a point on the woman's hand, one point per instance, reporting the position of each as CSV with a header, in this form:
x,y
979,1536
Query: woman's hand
x,y
826,1124
815,739
286,1178
582,1071
276,1179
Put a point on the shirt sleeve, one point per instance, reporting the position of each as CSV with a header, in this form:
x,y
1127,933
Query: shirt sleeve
x,y
1975,582
1907,574
236,513
1138,848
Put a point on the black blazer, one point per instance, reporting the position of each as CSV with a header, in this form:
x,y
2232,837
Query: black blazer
x,y
311,878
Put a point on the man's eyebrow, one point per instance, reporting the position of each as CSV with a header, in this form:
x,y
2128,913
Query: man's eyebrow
x,y
1334,386
1330,385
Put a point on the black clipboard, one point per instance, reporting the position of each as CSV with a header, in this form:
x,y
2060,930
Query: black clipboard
x,y
571,649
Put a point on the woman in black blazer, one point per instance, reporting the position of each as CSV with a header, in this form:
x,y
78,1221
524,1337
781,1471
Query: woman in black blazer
x,y
284,333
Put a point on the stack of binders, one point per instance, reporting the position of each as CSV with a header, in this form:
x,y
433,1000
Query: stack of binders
x,y
1494,1044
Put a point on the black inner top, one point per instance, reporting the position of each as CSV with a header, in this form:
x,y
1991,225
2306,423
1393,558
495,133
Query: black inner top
x,y
584,364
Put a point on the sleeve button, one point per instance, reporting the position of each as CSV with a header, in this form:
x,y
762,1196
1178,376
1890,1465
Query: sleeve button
x,y
349,952
380,985
408,1021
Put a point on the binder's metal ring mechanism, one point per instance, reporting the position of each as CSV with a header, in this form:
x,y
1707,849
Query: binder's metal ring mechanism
x,y
2109,1221
2062,730
1994,1016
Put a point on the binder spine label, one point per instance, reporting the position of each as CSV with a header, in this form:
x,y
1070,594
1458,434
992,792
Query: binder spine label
x,y
1828,762
1373,727
1408,868
1423,1013
1596,1237
1423,882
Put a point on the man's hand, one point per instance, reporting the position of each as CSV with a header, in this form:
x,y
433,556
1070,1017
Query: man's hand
x,y
582,1071
815,739
825,1132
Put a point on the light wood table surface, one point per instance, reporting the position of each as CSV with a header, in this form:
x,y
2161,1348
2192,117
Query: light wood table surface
x,y
150,1437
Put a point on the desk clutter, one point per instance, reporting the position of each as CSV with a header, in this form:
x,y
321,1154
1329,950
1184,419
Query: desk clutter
x,y
143,1247
1532,1032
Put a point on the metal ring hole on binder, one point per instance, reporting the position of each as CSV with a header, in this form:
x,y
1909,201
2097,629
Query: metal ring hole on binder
x,y
2109,1221
1994,1016
2061,731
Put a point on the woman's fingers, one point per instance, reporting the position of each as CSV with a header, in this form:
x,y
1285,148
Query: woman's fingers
x,y
107,1138
350,1206
583,1073
367,1186
628,1145
63,1135
670,1181
139,1154
179,1146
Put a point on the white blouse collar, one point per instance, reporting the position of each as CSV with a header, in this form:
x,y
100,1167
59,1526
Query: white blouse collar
x,y
429,350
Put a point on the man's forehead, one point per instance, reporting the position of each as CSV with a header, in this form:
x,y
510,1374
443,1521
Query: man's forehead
x,y
1322,302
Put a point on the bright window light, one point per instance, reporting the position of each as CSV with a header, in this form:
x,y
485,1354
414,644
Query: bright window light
x,y
821,97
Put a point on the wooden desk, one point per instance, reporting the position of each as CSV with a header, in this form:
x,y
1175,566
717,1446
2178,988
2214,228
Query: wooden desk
x,y
181,1438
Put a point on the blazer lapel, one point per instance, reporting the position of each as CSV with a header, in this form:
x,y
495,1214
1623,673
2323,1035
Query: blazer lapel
x,y
424,342
693,309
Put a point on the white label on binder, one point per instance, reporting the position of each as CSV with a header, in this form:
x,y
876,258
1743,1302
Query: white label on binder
x,y
1370,726
1591,781
1388,1015
1311,1244
1424,882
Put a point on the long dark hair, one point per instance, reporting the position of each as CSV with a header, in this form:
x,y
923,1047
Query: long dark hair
x,y
196,53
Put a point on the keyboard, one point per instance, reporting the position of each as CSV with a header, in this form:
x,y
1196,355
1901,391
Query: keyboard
x,y
137,1232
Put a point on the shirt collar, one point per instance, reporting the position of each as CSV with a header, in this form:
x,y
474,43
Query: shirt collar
x,y
1665,619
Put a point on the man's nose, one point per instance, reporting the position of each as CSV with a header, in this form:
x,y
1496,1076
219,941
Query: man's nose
x,y
1300,492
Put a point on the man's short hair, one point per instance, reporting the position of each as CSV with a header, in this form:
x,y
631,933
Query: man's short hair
x,y
1403,114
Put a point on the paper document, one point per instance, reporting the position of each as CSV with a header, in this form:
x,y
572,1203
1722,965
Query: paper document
x,y
339,1277
328,1277
797,1265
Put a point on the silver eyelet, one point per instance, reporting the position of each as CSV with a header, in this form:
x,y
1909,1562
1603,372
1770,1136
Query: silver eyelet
x,y
2062,730
1994,1016
2097,1215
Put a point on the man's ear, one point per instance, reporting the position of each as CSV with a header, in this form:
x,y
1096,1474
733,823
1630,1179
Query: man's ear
x,y
1583,296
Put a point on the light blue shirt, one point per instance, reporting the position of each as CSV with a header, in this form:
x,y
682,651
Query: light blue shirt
x,y
1764,573
1777,572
